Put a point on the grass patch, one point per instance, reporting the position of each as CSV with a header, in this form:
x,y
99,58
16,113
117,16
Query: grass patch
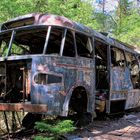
x,y
55,130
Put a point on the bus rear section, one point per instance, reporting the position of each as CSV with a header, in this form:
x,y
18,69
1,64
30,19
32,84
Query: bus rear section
x,y
25,70
15,81
15,87
17,49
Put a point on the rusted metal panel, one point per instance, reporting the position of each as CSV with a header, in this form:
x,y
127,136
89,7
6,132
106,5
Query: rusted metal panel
x,y
118,95
74,72
27,107
120,83
122,89
133,99
52,65
120,79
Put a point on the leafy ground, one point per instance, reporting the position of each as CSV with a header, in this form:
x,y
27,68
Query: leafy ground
x,y
124,128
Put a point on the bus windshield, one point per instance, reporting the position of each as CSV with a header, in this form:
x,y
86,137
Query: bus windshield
x,y
28,42
4,43
47,40
32,41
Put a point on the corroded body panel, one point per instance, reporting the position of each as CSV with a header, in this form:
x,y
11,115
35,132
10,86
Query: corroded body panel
x,y
74,73
122,88
56,96
27,107
120,79
133,99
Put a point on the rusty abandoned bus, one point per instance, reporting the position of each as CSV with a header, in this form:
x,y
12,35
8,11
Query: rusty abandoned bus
x,y
50,64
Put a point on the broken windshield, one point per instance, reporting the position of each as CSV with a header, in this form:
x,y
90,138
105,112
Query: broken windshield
x,y
4,43
29,41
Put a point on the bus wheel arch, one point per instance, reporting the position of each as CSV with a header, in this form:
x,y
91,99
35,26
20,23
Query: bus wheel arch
x,y
78,104
79,99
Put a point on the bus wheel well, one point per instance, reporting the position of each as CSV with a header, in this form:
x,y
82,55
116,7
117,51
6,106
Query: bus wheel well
x,y
78,107
78,101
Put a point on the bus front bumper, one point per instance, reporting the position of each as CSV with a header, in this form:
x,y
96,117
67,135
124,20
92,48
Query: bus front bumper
x,y
27,107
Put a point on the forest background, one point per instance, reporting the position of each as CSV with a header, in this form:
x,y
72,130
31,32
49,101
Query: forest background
x,y
121,20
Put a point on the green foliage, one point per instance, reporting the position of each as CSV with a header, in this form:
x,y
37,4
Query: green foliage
x,y
43,138
128,30
56,129
77,10
123,7
61,127
103,21
123,23
13,8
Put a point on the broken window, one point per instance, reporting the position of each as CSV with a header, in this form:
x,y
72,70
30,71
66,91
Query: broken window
x,y
133,66
4,43
43,78
54,42
120,74
2,79
30,41
84,45
102,81
117,57
69,47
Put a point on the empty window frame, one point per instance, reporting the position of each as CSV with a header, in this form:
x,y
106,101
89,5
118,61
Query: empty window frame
x,y
133,66
117,57
45,79
69,45
4,43
84,45
29,41
2,79
54,42
101,61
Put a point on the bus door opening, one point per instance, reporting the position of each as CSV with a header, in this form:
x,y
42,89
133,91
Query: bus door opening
x,y
102,75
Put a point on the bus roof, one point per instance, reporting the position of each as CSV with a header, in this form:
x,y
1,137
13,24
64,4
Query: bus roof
x,y
50,19
43,19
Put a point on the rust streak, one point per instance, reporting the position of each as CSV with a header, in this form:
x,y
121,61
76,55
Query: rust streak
x,y
23,107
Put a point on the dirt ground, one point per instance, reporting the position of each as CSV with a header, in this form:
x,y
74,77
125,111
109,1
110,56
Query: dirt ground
x,y
124,128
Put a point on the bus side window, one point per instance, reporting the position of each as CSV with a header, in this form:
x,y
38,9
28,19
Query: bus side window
x,y
46,79
4,42
133,65
69,48
84,45
54,42
102,77
117,57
